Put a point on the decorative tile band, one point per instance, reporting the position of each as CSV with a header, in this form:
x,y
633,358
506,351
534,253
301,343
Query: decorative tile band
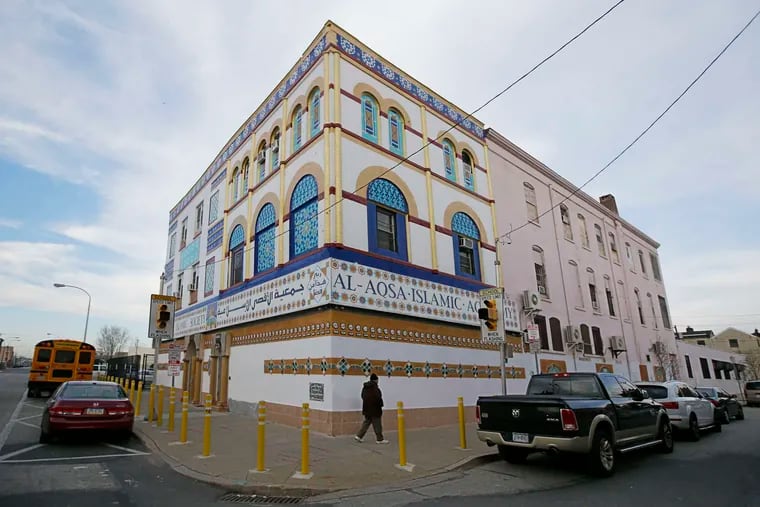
x,y
274,100
385,367
215,234
373,64
169,270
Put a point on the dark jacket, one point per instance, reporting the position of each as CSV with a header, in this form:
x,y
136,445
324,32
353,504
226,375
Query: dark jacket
x,y
372,400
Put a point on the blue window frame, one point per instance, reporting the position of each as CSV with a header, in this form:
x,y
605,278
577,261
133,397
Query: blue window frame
x,y
396,132
304,222
264,239
386,219
297,128
449,160
468,172
369,117
466,238
237,248
314,111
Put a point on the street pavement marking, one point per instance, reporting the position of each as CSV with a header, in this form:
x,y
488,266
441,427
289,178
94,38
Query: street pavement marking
x,y
29,417
39,460
20,451
35,426
7,429
127,449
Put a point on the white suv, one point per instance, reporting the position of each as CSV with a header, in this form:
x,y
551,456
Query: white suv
x,y
687,409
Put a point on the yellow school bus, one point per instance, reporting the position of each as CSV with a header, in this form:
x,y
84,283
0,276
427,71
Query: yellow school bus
x,y
57,361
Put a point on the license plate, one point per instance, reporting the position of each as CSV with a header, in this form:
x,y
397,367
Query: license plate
x,y
521,438
94,411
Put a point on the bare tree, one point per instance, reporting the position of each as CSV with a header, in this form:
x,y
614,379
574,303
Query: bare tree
x,y
752,361
111,340
666,360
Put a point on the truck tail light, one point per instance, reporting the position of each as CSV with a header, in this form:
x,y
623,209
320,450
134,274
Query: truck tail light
x,y
670,405
715,403
477,413
569,422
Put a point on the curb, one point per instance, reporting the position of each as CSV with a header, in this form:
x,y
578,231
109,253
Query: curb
x,y
275,490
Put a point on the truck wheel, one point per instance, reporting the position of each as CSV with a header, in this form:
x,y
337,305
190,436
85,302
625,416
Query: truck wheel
x,y
740,414
693,428
666,437
513,455
602,454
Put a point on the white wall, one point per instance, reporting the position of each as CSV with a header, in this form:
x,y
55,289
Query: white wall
x,y
697,379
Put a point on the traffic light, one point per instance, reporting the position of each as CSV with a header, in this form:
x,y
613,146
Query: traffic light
x,y
163,315
489,314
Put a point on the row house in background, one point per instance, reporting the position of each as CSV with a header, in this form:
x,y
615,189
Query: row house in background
x,y
598,296
344,230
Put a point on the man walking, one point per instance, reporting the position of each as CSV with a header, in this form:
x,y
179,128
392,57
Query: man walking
x,y
372,410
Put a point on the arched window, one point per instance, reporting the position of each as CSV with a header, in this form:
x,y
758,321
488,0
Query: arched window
x,y
314,111
638,305
556,331
466,245
467,171
261,160
264,239
539,266
244,180
369,117
566,225
449,160
386,218
304,223
235,184
530,202
586,337
297,128
396,132
275,147
236,250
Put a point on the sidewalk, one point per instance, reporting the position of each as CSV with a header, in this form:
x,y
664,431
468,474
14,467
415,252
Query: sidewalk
x,y
338,463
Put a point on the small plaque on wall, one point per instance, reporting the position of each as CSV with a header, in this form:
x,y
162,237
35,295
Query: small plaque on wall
x,y
316,391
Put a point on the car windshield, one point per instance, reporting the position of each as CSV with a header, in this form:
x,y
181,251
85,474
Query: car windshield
x,y
565,386
93,391
707,393
655,392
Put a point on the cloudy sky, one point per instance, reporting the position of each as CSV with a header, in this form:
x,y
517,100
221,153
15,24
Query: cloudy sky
x,y
109,111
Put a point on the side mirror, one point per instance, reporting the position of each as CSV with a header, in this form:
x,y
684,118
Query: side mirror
x,y
645,393
732,396
637,395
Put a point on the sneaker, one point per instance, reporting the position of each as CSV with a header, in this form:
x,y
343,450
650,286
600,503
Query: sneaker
x,y
360,440
383,442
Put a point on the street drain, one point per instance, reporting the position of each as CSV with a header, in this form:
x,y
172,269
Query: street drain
x,y
260,499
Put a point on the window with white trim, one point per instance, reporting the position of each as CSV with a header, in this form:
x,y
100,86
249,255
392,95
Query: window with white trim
x,y
530,202
578,284
583,230
600,240
592,289
566,225
540,268
610,298
614,249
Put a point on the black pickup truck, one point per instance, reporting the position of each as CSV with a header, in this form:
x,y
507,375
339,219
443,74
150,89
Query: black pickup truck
x,y
592,414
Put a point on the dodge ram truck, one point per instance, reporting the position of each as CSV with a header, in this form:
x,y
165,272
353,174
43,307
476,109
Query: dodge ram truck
x,y
596,415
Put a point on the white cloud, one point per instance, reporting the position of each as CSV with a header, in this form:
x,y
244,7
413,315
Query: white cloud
x,y
10,223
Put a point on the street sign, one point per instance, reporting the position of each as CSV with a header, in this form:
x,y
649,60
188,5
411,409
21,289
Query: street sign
x,y
534,347
174,370
491,314
161,320
511,315
532,333
175,357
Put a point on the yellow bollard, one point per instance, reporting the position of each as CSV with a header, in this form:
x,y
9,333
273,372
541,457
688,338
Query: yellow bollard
x,y
305,439
172,403
260,437
131,391
139,398
151,402
401,435
183,422
462,433
207,428
160,411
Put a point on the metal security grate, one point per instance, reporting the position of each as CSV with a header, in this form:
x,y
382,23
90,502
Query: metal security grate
x,y
260,499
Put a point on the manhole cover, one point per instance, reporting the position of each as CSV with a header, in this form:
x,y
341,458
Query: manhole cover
x,y
260,499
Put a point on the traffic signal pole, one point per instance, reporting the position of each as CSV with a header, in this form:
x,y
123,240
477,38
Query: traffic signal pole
x,y
503,344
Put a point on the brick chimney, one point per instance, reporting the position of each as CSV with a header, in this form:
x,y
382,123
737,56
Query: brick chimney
x,y
608,201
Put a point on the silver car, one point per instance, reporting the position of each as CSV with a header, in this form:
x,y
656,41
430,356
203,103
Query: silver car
x,y
689,412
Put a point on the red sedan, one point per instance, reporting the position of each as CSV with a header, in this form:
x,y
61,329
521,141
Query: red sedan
x,y
87,405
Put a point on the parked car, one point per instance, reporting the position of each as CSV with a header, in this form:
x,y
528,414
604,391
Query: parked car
x,y
726,403
752,393
689,412
592,414
87,405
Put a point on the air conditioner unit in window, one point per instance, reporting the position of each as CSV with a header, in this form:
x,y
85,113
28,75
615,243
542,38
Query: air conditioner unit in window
x,y
572,335
566,219
617,343
531,300
542,290
262,157
466,243
595,305
276,145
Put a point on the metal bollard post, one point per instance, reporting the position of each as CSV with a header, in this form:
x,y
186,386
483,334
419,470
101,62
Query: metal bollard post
x,y
160,411
401,434
151,402
132,391
305,439
138,401
207,428
183,422
462,433
172,404
260,438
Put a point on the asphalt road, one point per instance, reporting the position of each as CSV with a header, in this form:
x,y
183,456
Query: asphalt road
x,y
84,471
